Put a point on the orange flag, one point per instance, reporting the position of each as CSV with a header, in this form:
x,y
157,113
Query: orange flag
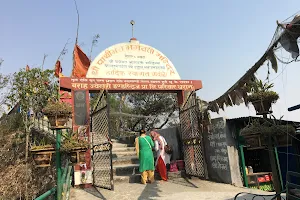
x,y
27,68
57,69
81,63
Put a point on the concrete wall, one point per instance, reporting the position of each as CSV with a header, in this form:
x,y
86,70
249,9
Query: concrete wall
x,y
173,138
234,159
221,153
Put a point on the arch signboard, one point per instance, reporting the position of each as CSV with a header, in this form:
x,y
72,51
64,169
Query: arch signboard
x,y
132,60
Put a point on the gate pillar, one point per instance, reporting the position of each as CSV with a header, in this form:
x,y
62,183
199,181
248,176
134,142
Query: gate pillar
x,y
81,123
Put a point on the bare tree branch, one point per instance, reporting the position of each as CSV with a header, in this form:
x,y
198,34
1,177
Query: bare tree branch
x,y
133,127
45,56
94,43
167,120
64,51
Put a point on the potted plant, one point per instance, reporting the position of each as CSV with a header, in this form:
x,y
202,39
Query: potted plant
x,y
252,134
75,147
42,153
262,97
57,112
283,133
255,134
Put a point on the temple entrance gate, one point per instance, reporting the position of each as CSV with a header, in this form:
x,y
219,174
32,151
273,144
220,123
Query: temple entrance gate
x,y
192,138
132,67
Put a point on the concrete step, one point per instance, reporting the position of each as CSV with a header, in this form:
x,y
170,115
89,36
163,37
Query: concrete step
x,y
136,178
128,179
123,170
122,154
124,149
126,160
171,175
119,145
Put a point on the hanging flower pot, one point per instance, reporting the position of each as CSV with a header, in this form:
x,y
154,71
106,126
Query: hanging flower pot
x,y
75,148
283,140
58,113
42,155
77,156
58,120
262,107
256,134
262,97
284,135
262,101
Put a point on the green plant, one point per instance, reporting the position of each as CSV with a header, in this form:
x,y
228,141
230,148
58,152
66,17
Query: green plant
x,y
265,128
44,143
56,108
32,88
72,142
262,91
259,86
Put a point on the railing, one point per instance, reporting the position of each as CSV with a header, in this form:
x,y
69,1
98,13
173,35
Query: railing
x,y
64,185
47,194
293,189
43,126
62,189
257,196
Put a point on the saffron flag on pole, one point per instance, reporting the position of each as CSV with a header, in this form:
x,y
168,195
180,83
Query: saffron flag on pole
x,y
81,63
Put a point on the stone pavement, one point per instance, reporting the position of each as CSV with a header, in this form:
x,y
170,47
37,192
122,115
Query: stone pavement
x,y
175,189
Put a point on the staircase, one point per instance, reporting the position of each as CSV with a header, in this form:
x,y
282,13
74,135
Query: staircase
x,y
125,163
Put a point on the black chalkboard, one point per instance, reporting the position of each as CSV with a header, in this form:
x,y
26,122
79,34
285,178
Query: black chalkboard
x,y
80,107
216,152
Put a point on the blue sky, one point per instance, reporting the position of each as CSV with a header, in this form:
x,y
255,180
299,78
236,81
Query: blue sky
x,y
213,41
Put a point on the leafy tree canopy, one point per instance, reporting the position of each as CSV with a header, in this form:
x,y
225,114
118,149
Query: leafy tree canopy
x,y
32,89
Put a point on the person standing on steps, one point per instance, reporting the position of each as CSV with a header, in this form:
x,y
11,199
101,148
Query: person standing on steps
x,y
143,147
163,159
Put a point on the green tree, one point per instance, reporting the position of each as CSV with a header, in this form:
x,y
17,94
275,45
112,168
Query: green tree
x,y
158,107
4,80
32,89
133,111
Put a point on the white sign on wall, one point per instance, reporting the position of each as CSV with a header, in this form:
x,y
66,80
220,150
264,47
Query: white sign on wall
x,y
132,61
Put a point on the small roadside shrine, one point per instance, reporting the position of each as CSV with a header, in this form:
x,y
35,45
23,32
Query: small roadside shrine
x,y
129,67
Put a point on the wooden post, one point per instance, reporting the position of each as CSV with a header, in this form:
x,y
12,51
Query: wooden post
x,y
274,166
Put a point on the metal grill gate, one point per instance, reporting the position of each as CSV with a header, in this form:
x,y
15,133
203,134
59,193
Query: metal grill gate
x,y
192,138
102,149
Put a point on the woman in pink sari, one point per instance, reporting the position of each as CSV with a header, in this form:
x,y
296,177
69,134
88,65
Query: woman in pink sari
x,y
162,157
